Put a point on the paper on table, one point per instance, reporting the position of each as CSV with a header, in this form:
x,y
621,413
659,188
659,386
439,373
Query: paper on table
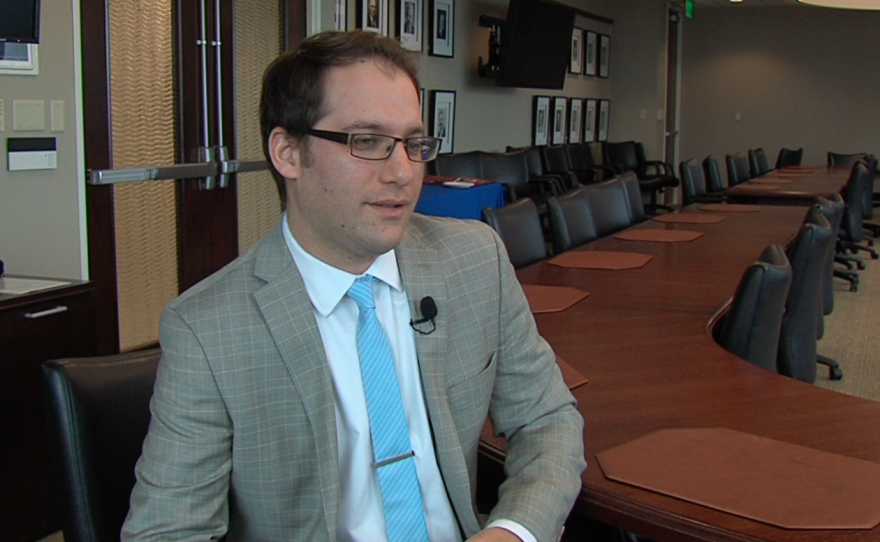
x,y
9,285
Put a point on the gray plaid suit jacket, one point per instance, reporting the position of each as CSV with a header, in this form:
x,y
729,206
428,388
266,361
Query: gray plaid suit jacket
x,y
243,435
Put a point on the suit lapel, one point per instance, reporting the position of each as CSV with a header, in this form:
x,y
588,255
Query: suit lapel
x,y
422,276
289,316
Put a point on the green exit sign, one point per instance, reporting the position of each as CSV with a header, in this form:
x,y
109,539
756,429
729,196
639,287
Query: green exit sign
x,y
689,9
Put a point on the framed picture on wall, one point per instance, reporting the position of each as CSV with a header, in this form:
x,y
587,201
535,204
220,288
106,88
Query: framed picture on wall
x,y
442,28
443,118
409,24
590,57
604,55
340,16
540,120
604,119
576,63
590,120
422,103
373,16
559,107
575,117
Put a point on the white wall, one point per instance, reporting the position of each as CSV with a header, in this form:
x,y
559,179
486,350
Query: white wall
x,y
42,213
799,76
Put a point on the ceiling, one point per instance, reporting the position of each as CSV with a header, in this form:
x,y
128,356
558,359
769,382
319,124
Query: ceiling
x,y
752,3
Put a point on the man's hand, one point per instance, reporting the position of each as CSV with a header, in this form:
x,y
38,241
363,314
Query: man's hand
x,y
495,534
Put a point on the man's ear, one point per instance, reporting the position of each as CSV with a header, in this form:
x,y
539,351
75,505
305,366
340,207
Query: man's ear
x,y
284,152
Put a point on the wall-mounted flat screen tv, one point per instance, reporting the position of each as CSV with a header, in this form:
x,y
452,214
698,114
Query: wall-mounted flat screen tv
x,y
535,45
20,21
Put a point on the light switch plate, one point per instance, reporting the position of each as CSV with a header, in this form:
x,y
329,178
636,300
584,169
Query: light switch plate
x,y
56,115
28,115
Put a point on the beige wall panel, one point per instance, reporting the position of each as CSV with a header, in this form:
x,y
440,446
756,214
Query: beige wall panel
x,y
257,43
142,106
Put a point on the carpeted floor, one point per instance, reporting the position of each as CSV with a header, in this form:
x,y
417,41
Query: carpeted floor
x,y
852,336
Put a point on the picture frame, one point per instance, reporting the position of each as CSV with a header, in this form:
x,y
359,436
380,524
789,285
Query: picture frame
x,y
373,16
422,104
443,118
604,55
604,120
442,28
540,120
560,104
576,62
340,16
575,120
591,63
410,19
590,118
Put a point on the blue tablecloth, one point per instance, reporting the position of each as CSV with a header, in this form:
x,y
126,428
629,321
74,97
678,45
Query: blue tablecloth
x,y
439,200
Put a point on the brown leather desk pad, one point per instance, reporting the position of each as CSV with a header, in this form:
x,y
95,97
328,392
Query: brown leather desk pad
x,y
729,208
770,180
601,259
766,480
551,298
688,218
660,236
760,187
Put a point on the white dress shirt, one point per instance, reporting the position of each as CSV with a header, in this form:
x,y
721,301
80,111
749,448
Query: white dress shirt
x,y
361,516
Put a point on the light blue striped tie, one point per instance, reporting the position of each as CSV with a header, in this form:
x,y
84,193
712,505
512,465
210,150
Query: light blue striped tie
x,y
401,496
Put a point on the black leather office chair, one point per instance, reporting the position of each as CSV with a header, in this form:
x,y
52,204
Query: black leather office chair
x,y
852,225
634,195
609,206
556,162
750,329
693,184
789,157
758,163
712,174
580,156
738,169
868,197
571,221
519,226
99,412
511,170
839,159
797,355
832,209
654,175
464,164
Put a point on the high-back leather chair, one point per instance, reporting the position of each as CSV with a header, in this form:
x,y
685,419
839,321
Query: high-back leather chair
x,y
99,412
519,227
464,164
868,196
758,163
634,195
798,335
571,221
609,206
750,329
509,169
556,162
789,157
839,159
852,225
580,156
653,175
738,169
832,209
693,184
712,172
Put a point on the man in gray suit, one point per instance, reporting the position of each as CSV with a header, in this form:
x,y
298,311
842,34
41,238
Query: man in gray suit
x,y
262,423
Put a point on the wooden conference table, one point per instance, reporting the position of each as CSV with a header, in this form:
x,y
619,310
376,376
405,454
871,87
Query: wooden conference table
x,y
642,340
791,186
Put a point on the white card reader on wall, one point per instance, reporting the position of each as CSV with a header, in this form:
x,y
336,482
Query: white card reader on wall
x,y
24,153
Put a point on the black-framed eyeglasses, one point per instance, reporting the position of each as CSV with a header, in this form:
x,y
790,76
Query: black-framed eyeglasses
x,y
380,147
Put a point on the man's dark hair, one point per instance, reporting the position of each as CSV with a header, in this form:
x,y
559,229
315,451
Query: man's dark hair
x,y
293,84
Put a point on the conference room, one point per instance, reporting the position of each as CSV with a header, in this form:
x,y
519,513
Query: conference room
x,y
117,91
